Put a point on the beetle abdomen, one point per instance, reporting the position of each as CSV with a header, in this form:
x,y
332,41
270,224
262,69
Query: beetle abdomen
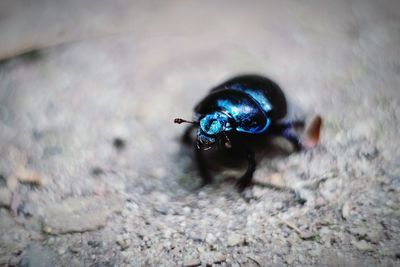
x,y
266,92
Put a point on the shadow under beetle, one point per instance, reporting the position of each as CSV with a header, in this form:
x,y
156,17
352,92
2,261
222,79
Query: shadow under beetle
x,y
237,112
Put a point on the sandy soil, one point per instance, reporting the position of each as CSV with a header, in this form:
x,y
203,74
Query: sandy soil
x,y
92,170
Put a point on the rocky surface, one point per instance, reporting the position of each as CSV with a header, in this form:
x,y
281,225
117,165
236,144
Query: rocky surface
x,y
79,214
92,172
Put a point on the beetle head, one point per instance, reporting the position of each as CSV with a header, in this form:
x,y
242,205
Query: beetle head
x,y
212,130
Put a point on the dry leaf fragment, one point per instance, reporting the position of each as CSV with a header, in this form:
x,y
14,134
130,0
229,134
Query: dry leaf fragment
x,y
313,133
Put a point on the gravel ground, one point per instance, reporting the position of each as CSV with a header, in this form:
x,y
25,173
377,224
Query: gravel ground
x,y
92,172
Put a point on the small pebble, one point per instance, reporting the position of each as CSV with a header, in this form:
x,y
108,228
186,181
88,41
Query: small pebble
x,y
219,258
362,245
187,210
234,240
192,262
61,250
25,209
75,250
119,143
94,243
123,243
210,239
97,171
162,209
202,194
278,206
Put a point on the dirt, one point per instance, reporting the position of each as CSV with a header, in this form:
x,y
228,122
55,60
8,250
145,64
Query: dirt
x,y
92,170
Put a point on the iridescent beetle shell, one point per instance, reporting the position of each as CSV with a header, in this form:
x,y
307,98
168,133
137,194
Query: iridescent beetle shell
x,y
236,113
246,104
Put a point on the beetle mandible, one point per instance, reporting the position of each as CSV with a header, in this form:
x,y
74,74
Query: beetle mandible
x,y
236,112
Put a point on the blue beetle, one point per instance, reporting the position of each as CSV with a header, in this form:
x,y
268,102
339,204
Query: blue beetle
x,y
237,112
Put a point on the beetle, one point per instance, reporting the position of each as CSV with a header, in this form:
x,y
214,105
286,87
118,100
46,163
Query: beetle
x,y
237,112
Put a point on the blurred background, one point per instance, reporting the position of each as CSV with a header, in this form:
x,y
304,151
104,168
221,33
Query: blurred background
x,y
92,172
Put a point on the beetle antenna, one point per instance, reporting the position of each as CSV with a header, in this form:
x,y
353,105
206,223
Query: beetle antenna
x,y
179,121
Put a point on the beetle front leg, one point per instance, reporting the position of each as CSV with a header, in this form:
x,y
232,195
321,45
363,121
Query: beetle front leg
x,y
202,166
246,179
186,138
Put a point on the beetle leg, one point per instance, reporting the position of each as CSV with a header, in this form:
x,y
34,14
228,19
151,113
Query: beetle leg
x,y
202,166
284,129
292,139
245,180
186,138
281,127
